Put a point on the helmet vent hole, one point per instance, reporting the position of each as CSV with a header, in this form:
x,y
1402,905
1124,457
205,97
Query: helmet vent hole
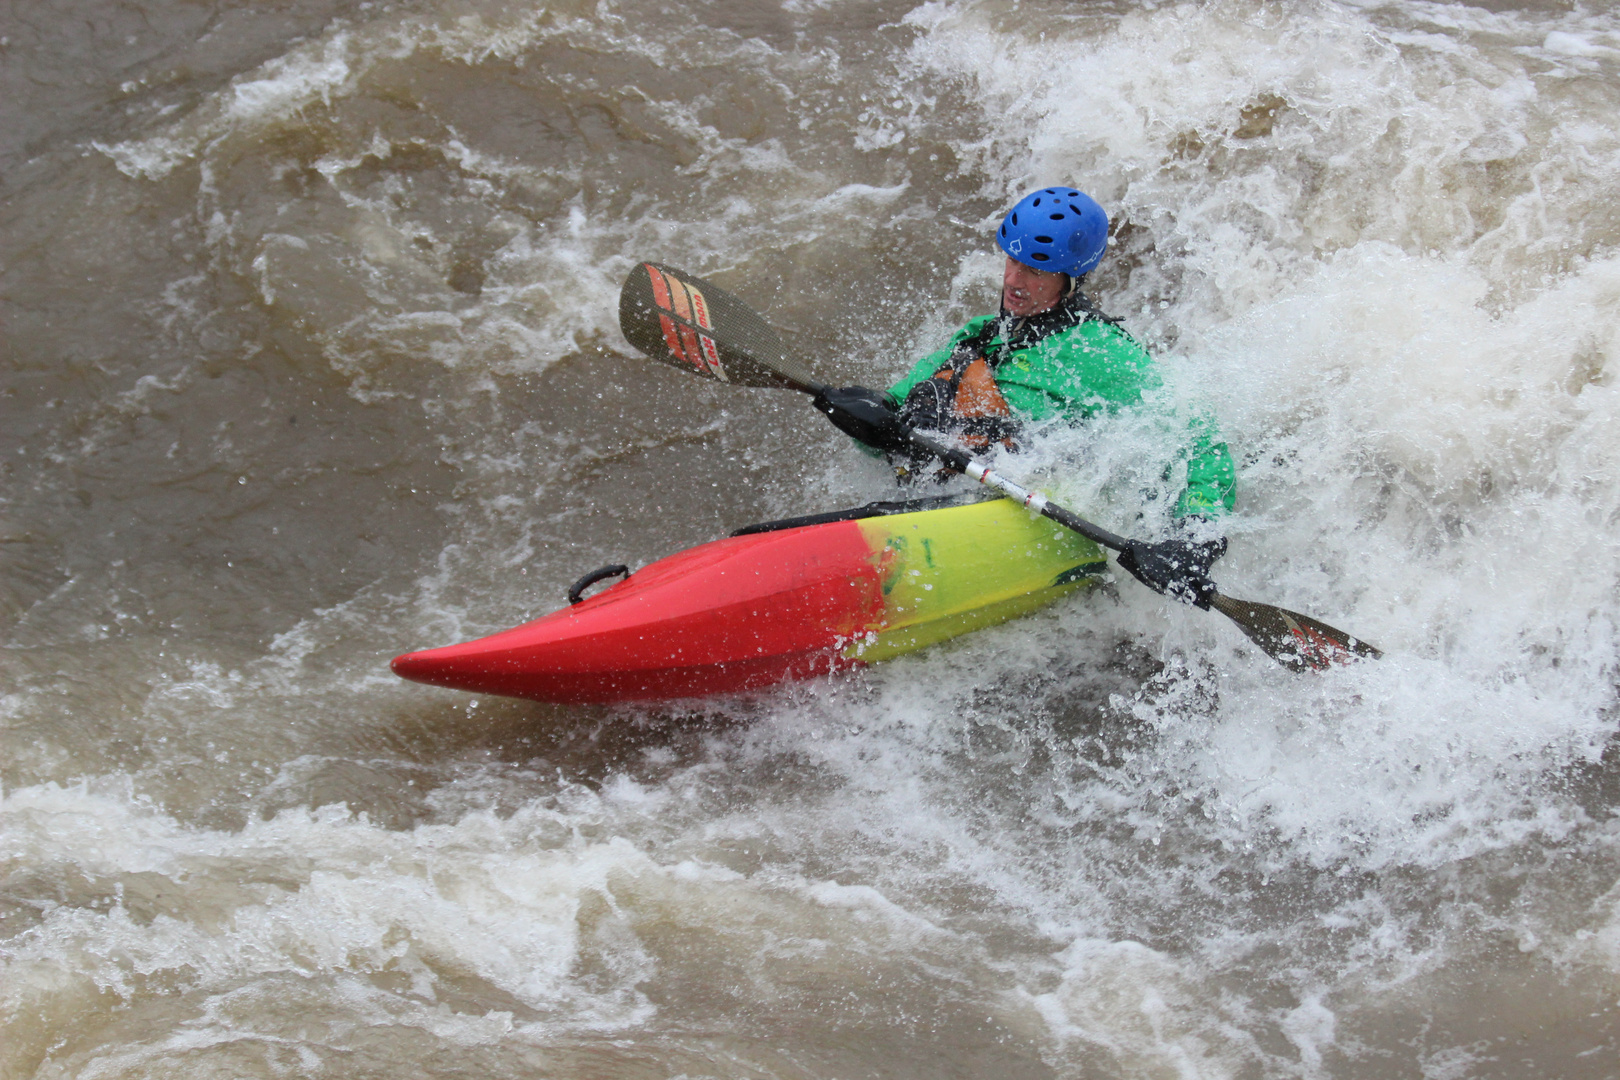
x,y
1058,216
1044,240
1040,256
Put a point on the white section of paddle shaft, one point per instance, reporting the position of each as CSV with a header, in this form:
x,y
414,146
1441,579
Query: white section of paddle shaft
x,y
1037,503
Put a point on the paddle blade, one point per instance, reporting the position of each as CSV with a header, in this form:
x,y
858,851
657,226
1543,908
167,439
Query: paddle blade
x,y
686,322
1296,641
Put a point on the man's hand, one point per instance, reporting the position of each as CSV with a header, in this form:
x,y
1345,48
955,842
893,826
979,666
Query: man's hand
x,y
1178,568
865,415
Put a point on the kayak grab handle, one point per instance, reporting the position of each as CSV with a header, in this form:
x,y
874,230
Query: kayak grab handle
x,y
577,589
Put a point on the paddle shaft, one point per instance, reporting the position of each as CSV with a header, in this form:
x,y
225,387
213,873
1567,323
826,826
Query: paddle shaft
x,y
957,458
954,457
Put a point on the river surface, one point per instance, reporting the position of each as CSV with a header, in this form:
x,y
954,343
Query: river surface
x,y
308,313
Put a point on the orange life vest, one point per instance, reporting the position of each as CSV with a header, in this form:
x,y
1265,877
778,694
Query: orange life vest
x,y
962,398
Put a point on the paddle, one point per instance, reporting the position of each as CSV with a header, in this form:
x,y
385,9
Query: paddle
x,y
688,323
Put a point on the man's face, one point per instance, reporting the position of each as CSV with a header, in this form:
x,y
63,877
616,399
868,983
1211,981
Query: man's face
x,y
1028,291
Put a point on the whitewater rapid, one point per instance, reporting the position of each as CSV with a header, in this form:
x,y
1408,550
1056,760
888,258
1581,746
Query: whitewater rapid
x,y
312,358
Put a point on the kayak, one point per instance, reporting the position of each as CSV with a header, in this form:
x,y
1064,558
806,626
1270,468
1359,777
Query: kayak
x,y
780,601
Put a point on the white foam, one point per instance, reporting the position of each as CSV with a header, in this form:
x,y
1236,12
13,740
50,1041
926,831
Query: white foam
x,y
1136,1005
327,67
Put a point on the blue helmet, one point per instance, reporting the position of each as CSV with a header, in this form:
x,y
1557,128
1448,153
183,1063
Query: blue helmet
x,y
1055,228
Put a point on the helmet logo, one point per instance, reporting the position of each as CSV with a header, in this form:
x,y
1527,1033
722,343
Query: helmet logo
x,y
1017,246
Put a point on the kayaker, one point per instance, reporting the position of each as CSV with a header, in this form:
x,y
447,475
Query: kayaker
x,y
1049,353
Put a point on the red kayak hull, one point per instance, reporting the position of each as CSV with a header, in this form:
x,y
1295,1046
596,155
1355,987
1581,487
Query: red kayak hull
x,y
729,616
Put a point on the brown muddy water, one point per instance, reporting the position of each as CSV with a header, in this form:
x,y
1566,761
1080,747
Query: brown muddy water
x,y
311,357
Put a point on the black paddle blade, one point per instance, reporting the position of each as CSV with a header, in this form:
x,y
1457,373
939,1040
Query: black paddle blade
x,y
686,322
1296,641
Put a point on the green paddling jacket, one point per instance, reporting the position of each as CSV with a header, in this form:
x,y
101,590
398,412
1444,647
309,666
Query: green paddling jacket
x,y
1074,363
